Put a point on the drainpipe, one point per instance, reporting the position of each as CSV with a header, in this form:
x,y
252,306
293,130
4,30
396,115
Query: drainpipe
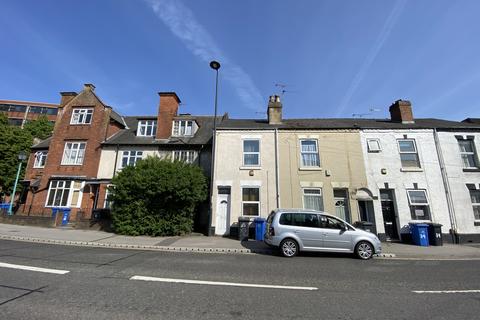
x,y
448,194
277,174
115,163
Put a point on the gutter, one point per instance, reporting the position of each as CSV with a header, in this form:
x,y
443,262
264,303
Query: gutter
x,y
448,193
116,158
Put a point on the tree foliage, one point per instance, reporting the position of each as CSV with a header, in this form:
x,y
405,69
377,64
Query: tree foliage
x,y
13,140
157,197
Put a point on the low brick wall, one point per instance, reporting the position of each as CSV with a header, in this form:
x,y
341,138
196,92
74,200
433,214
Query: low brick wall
x,y
48,222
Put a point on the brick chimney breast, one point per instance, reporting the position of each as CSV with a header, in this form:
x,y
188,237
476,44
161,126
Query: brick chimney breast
x,y
401,111
167,110
66,98
274,110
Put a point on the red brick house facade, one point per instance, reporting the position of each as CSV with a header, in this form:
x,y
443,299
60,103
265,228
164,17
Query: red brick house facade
x,y
91,142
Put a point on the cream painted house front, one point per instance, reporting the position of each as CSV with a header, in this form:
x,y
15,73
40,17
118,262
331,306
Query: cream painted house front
x,y
324,170
244,176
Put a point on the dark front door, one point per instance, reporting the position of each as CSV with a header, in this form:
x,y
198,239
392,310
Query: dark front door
x,y
388,211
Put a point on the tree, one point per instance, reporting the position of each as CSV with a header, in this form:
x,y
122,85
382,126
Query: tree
x,y
13,140
157,197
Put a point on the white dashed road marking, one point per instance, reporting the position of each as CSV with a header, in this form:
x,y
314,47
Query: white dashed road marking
x,y
449,291
29,268
218,283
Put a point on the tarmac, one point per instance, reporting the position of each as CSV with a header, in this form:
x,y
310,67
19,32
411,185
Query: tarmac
x,y
200,243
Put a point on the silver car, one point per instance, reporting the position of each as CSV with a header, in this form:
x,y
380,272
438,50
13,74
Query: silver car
x,y
295,230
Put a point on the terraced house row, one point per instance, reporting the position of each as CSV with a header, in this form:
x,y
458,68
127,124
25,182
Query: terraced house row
x,y
386,171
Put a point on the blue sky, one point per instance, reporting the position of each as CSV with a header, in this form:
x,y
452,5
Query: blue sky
x,y
336,58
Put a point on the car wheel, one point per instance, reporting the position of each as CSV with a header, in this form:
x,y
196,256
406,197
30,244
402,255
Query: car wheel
x,y
364,250
289,248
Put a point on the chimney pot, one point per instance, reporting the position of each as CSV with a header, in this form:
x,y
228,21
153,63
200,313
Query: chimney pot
x,y
401,111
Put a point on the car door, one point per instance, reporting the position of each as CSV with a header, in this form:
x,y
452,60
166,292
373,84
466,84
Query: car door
x,y
335,238
307,229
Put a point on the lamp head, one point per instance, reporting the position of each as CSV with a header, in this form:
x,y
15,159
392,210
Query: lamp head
x,y
22,156
215,65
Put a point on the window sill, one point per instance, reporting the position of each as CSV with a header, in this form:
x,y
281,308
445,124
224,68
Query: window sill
x,y
74,165
411,170
310,169
38,167
80,124
471,169
250,168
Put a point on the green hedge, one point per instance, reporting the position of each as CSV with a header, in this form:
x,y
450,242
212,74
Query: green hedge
x,y
157,197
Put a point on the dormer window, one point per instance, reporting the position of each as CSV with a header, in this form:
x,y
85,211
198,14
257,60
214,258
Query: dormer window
x,y
147,128
183,128
81,116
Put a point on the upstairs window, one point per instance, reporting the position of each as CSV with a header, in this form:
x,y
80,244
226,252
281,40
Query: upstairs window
x,y
147,128
467,152
183,128
74,153
251,153
187,156
373,145
130,158
408,153
419,206
475,198
81,116
40,159
309,153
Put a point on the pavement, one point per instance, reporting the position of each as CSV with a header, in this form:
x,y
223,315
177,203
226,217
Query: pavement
x,y
200,243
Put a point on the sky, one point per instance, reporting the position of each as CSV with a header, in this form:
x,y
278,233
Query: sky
x,y
324,58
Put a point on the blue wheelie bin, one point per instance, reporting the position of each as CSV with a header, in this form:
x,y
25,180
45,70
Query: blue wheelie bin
x,y
260,225
65,216
419,234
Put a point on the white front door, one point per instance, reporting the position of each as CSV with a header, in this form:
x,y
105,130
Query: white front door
x,y
223,214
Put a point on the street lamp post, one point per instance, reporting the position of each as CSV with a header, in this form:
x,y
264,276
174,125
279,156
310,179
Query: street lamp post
x,y
21,157
215,65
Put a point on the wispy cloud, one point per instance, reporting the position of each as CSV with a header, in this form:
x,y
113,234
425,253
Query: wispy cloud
x,y
182,23
382,38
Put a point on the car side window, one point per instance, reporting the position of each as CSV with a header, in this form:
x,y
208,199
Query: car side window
x,y
286,219
330,223
305,220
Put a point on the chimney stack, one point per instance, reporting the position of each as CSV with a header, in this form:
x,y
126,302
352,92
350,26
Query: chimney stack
x,y
274,110
167,110
401,111
89,87
66,98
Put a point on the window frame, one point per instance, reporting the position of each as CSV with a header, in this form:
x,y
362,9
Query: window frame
x,y
82,113
425,205
259,152
147,124
317,153
64,162
189,153
475,204
370,150
251,202
71,189
472,153
409,152
320,195
129,157
37,164
178,127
